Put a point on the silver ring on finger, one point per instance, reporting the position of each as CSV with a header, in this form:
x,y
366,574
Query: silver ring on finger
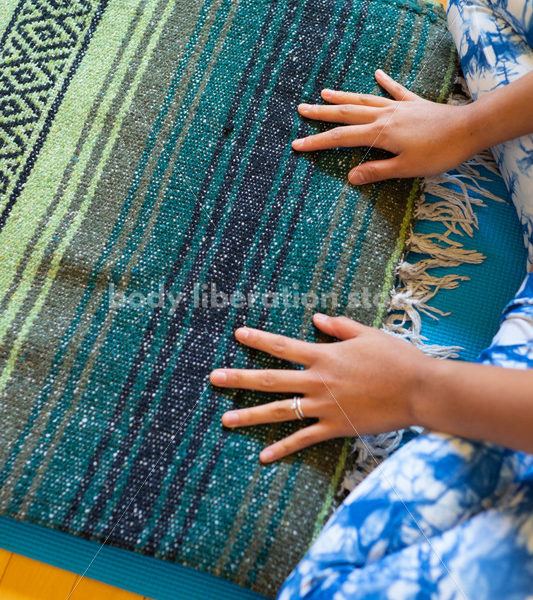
x,y
297,407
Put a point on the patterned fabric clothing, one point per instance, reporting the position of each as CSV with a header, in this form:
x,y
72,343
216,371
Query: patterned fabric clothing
x,y
494,39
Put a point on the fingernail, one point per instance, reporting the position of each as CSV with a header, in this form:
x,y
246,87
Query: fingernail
x,y
297,142
218,376
230,418
380,72
321,317
327,91
242,333
304,106
267,455
356,177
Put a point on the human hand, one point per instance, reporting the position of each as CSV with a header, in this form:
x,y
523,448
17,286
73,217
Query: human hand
x,y
427,138
365,383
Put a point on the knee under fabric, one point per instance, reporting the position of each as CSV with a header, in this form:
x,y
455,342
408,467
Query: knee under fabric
x,y
512,345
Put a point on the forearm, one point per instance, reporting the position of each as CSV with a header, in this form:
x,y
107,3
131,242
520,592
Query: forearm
x,y
503,114
482,402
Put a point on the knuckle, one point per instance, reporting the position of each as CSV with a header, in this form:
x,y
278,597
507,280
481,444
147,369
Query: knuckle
x,y
385,133
268,378
399,88
387,113
279,409
335,133
314,380
306,437
376,127
279,345
346,110
234,377
370,171
282,448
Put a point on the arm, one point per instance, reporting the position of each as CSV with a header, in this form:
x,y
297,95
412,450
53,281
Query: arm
x,y
503,114
477,401
426,137
370,382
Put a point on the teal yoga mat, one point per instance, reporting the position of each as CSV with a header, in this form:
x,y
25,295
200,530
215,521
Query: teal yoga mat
x,y
476,305
130,571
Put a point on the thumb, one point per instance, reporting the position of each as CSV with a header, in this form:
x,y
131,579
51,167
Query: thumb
x,y
339,327
375,170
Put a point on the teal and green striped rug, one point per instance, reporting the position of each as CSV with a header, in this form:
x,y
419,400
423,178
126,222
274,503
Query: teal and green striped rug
x,y
150,203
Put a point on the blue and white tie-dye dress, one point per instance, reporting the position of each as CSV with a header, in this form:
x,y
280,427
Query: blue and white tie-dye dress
x,y
445,517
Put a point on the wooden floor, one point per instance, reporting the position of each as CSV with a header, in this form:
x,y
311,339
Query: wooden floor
x,y
25,579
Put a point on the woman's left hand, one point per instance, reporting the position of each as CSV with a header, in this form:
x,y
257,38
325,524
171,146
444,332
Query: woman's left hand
x,y
365,383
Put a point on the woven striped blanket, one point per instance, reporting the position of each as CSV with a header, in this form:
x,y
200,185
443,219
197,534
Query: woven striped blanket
x,y
150,203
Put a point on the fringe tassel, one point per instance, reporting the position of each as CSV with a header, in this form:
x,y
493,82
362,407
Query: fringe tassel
x,y
417,286
369,451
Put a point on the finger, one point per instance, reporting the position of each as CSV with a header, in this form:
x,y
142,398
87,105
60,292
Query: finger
x,y
277,345
303,438
263,380
375,170
272,412
351,114
395,89
339,327
338,97
339,137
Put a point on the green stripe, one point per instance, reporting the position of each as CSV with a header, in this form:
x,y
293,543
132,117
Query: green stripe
x,y
83,377
7,8
452,65
55,151
84,241
390,272
332,489
91,308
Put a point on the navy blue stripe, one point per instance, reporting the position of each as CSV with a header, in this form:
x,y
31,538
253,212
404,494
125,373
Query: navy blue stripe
x,y
174,496
260,256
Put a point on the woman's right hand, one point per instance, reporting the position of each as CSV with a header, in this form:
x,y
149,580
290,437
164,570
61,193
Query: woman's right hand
x,y
427,137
